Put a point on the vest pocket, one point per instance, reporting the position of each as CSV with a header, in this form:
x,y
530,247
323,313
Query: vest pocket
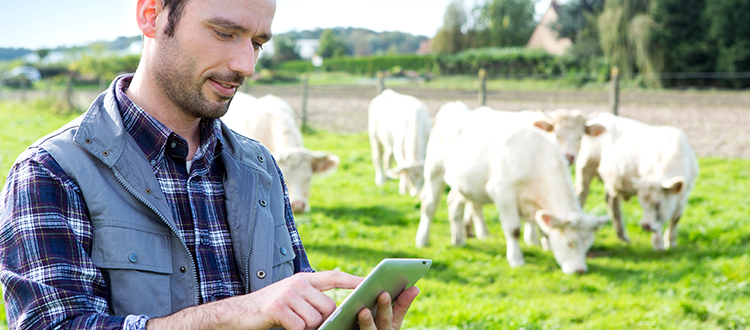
x,y
283,254
137,266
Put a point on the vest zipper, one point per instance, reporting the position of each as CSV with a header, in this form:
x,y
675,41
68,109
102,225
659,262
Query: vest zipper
x,y
163,219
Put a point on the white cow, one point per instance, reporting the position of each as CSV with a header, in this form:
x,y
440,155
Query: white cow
x,y
399,126
632,158
565,127
271,121
526,176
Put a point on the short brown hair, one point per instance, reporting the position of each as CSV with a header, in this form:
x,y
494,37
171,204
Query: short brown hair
x,y
176,8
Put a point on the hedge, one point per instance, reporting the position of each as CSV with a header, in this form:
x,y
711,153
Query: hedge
x,y
498,62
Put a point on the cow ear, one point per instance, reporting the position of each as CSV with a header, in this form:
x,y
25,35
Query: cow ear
x,y
674,185
547,221
544,125
593,222
395,172
594,130
324,164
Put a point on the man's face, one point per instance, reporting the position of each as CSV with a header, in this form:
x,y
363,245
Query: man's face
x,y
215,45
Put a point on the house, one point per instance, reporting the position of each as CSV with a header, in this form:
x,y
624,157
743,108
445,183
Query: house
x,y
545,37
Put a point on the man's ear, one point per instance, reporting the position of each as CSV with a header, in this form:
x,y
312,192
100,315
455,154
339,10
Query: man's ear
x,y
147,12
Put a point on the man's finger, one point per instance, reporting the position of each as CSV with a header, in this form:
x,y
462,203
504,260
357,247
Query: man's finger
x,y
402,304
384,317
324,281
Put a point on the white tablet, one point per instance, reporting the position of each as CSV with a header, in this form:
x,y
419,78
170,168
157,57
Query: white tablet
x,y
391,275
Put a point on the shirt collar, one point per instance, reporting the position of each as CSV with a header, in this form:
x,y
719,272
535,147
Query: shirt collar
x,y
156,139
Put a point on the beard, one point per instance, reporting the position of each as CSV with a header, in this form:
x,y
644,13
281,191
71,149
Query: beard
x,y
174,77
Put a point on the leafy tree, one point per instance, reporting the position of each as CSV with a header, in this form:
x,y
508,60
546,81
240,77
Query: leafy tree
x,y
627,40
729,31
332,45
503,23
284,49
682,36
450,38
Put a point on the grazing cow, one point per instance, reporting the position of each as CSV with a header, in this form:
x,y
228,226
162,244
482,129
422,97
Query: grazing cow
x,y
524,175
657,164
399,126
566,127
271,121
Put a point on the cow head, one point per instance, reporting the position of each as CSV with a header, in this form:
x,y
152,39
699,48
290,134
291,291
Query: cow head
x,y
568,126
659,199
298,166
570,238
413,174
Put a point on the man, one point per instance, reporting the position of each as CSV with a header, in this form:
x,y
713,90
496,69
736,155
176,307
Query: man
x,y
147,212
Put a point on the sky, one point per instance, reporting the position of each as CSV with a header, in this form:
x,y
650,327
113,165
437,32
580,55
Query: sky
x,y
38,24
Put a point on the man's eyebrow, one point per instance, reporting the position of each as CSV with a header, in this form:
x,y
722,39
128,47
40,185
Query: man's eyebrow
x,y
232,26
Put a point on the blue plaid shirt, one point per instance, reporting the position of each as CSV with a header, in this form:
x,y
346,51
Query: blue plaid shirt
x,y
48,277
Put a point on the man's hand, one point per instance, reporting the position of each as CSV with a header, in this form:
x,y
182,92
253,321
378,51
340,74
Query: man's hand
x,y
388,318
295,303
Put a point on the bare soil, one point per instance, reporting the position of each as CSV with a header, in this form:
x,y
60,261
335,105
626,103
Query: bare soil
x,y
716,122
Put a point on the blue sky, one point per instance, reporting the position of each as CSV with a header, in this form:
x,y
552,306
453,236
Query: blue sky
x,y
51,23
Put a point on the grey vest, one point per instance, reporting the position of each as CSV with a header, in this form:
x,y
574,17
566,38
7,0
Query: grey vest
x,y
146,266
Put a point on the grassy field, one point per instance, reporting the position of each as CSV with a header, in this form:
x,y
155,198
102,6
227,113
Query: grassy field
x,y
704,283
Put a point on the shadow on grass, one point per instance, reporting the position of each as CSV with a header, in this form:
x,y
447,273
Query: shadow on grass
x,y
377,215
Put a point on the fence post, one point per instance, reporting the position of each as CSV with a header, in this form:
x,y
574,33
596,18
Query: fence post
x,y
305,77
614,95
482,87
381,82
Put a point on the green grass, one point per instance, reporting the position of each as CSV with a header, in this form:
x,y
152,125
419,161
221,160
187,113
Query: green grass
x,y
704,283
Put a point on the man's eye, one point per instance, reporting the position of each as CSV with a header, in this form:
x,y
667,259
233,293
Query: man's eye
x,y
257,45
222,35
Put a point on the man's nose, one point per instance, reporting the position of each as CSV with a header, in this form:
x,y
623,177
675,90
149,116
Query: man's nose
x,y
244,60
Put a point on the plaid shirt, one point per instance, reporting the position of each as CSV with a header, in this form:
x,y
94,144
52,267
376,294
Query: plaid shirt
x,y
48,277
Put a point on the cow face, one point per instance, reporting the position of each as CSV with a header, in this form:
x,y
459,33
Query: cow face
x,y
659,200
570,238
298,166
568,127
411,177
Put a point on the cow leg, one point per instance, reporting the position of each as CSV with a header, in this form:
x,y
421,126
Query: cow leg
x,y
584,175
456,205
615,213
430,198
377,160
530,234
656,239
670,234
506,202
402,180
473,214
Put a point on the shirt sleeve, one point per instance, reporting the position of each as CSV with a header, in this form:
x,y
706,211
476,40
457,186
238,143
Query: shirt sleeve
x,y
301,264
48,278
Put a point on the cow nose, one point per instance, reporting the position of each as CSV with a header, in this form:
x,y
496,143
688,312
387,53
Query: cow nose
x,y
570,158
646,226
298,206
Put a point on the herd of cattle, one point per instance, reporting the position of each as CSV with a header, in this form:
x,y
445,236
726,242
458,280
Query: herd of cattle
x,y
518,161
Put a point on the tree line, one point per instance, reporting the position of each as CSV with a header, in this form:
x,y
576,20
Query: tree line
x,y
662,41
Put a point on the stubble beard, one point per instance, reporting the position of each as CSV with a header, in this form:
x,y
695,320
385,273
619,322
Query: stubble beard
x,y
173,76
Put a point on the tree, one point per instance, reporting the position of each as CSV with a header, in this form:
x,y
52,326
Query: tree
x,y
626,36
284,49
450,39
729,30
578,22
503,23
332,45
